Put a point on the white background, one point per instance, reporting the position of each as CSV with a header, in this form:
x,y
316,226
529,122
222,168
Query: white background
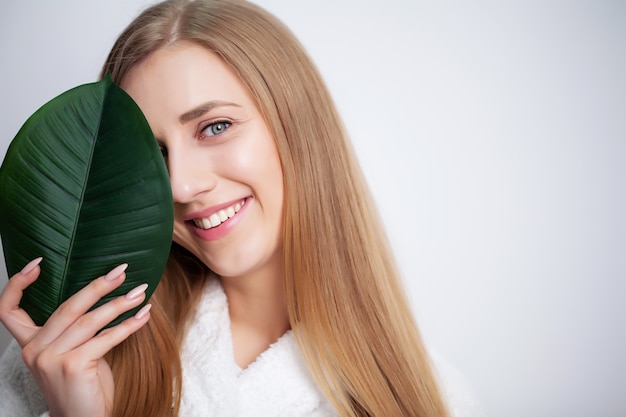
x,y
493,136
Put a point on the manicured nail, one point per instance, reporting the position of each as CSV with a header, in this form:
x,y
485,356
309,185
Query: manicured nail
x,y
116,272
31,265
144,310
137,291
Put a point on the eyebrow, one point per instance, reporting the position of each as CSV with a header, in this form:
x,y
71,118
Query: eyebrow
x,y
203,109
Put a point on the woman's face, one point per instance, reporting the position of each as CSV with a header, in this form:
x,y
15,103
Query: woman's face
x,y
223,164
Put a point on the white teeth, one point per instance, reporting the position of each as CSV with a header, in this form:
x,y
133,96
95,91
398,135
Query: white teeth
x,y
219,217
215,220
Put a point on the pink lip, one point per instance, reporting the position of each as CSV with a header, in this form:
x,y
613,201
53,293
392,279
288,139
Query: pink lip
x,y
223,229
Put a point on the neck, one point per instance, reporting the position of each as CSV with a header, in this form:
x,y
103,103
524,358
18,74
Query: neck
x,y
258,313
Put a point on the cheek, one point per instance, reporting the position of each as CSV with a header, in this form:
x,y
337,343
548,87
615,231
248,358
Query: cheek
x,y
180,229
254,161
269,171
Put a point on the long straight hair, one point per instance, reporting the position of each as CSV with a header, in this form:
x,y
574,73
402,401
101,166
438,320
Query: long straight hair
x,y
347,308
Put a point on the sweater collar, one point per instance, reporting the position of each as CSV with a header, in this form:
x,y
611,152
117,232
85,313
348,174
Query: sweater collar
x,y
277,383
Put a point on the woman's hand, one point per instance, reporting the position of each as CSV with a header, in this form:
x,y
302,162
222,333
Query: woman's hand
x,y
65,355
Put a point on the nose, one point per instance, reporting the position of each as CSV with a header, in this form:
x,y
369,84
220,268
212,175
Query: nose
x,y
190,175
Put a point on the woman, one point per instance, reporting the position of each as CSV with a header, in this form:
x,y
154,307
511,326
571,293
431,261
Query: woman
x,y
280,296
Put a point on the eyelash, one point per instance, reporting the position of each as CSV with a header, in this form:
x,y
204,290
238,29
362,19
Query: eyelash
x,y
226,123
212,125
163,150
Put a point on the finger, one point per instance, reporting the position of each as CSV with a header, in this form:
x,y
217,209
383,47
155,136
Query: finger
x,y
16,320
89,324
113,336
78,304
12,293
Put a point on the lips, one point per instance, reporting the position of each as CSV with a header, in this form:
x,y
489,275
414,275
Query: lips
x,y
218,217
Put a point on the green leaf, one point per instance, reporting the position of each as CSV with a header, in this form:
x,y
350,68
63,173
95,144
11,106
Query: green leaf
x,y
84,185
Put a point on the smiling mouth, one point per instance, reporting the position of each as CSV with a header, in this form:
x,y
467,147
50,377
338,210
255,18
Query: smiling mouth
x,y
219,217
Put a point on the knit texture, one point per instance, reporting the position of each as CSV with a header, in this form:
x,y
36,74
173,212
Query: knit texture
x,y
277,383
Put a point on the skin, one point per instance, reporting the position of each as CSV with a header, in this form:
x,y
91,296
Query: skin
x,y
64,356
217,155
219,150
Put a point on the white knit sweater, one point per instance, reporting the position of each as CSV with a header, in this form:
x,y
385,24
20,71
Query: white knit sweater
x,y
277,384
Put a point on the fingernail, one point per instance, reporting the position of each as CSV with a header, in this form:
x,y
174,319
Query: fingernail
x,y
116,272
31,265
144,310
137,291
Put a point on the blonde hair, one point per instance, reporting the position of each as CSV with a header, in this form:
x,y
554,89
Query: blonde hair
x,y
346,304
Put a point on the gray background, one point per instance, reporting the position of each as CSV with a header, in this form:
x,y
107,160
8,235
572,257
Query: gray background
x,y
493,135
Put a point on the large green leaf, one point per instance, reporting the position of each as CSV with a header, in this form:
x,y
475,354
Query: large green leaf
x,y
84,185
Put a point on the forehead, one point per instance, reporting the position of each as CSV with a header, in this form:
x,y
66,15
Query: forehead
x,y
182,75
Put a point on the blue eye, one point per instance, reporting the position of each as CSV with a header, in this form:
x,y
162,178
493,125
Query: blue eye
x,y
216,128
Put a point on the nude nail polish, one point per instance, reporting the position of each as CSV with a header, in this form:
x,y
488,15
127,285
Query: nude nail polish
x,y
31,265
137,291
116,272
144,310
